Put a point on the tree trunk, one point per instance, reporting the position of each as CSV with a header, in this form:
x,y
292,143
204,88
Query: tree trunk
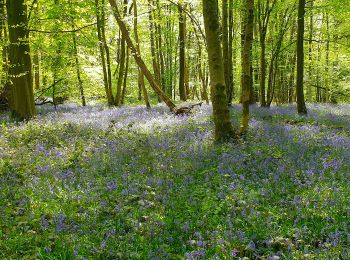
x,y
122,59
230,86
310,72
77,67
103,48
182,53
221,114
3,41
327,61
225,45
106,49
154,84
141,80
246,62
300,59
122,100
154,52
20,70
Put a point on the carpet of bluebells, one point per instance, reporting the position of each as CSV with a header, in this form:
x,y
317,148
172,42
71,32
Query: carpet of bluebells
x,y
131,183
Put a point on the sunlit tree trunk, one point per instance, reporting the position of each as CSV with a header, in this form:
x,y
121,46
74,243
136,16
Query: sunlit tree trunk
x,y
222,120
300,59
20,70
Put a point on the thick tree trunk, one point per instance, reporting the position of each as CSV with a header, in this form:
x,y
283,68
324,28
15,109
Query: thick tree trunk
x,y
300,59
246,62
20,70
154,84
221,114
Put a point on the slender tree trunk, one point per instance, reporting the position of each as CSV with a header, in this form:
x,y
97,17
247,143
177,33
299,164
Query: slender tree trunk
x,y
117,99
230,86
225,45
122,60
77,67
182,54
141,80
154,84
204,91
221,114
311,32
122,101
3,40
154,52
246,62
327,60
106,49
169,53
300,59
103,47
20,71
159,40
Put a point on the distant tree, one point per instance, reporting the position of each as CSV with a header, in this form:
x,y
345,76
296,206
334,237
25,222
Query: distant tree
x,y
223,126
300,59
20,70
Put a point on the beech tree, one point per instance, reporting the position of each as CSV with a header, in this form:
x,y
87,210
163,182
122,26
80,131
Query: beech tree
x,y
223,126
248,24
20,66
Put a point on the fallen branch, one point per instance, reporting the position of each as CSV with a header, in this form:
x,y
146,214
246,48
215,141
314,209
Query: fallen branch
x,y
187,109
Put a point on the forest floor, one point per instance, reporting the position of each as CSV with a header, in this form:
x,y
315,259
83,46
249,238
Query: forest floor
x,y
128,183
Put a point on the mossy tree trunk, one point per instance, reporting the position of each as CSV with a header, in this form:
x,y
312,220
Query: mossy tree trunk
x,y
221,114
20,70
